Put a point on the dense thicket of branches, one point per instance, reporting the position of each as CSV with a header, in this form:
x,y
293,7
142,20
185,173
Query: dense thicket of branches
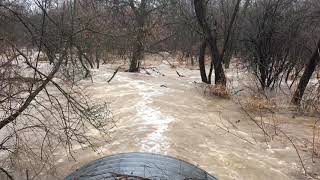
x,y
273,31
41,109
47,46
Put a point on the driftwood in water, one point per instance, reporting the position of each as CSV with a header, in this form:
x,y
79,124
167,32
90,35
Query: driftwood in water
x,y
114,74
179,74
154,69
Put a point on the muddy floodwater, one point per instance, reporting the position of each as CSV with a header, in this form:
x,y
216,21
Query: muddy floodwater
x,y
167,114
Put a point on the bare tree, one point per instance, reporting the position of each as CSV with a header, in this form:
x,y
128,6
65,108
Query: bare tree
x,y
313,62
140,14
309,69
211,37
230,15
41,109
272,31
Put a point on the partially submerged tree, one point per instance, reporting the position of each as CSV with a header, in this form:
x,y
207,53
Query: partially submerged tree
x,y
309,70
140,22
140,16
230,11
313,62
210,35
272,31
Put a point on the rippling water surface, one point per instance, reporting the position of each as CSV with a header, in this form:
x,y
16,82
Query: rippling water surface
x,y
171,115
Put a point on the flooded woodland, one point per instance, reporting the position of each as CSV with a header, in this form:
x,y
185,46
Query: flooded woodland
x,y
231,87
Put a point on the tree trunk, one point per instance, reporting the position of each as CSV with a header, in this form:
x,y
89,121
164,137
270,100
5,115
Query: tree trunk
x,y
263,72
220,77
138,46
83,65
211,38
98,57
309,69
202,65
216,60
230,27
137,53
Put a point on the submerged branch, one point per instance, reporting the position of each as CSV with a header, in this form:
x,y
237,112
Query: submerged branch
x,y
114,74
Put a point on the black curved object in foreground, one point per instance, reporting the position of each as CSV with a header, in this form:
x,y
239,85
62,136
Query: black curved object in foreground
x,y
139,166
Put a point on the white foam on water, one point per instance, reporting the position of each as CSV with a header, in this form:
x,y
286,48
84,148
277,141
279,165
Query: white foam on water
x,y
148,116
156,141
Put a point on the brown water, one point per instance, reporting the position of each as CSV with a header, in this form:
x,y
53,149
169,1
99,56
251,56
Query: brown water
x,y
181,121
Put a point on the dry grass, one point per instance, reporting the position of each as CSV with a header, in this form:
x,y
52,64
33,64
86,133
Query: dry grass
x,y
310,106
259,102
218,90
311,100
